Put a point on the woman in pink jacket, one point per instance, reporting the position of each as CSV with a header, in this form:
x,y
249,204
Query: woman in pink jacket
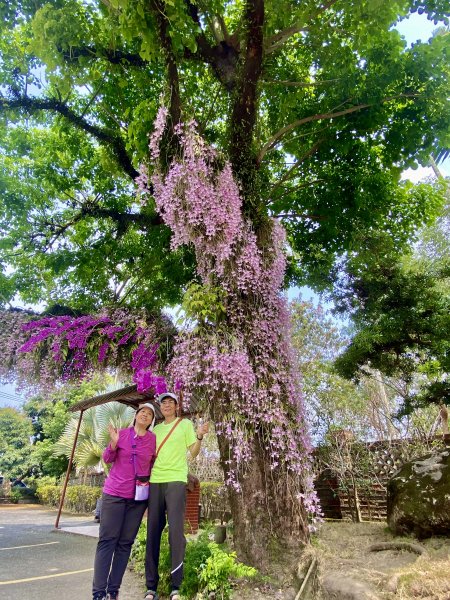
x,y
132,452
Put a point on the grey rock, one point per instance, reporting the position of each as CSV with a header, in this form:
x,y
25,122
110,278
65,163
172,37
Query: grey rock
x,y
336,586
418,496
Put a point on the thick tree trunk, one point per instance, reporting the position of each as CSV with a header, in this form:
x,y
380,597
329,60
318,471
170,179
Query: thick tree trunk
x,y
266,513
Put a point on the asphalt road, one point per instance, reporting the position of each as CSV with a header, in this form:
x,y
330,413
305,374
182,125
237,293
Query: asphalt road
x,y
36,561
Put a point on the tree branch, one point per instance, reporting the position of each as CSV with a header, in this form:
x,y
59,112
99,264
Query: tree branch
x,y
302,84
301,216
171,62
223,57
114,57
297,163
108,138
332,115
243,115
91,209
278,39
124,220
299,187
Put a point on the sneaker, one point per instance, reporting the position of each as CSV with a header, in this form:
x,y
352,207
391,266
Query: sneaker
x,y
112,596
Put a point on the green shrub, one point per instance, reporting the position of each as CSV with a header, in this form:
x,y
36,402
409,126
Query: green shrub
x,y
14,496
79,498
215,573
138,558
35,482
48,494
207,567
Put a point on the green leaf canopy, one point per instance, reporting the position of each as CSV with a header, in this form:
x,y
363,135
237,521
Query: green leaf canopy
x,y
319,106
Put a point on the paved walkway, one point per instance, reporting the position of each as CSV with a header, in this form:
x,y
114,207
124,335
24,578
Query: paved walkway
x,y
39,561
85,527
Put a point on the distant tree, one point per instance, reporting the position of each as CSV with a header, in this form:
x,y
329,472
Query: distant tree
x,y
400,308
15,443
50,418
332,402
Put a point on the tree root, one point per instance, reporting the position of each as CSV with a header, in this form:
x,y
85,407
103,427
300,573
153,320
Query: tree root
x,y
397,546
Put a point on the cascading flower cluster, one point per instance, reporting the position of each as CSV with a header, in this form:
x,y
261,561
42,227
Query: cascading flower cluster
x,y
62,348
201,204
247,362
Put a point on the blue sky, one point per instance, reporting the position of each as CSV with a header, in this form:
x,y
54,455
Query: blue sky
x,y
416,27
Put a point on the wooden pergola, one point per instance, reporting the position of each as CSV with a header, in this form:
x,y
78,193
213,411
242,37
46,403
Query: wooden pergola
x,y
127,395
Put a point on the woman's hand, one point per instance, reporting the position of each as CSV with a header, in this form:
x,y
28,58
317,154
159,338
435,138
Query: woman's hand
x,y
113,435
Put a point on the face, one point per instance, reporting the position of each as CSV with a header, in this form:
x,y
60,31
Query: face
x,y
168,407
145,417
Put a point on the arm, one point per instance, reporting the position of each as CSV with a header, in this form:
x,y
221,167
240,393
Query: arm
x,y
109,453
153,456
194,448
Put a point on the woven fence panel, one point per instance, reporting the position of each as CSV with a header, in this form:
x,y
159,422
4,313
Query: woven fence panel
x,y
206,468
385,458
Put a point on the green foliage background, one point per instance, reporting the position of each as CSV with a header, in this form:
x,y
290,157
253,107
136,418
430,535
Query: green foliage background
x,y
81,84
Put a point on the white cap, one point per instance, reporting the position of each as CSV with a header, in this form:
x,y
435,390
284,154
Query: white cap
x,y
167,395
146,405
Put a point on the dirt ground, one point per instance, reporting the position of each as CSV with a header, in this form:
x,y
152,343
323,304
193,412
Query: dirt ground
x,y
349,570
344,555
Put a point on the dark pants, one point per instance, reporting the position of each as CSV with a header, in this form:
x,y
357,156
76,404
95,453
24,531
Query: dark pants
x,y
170,497
119,524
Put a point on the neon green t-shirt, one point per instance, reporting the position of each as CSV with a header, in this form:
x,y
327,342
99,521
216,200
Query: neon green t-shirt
x,y
171,464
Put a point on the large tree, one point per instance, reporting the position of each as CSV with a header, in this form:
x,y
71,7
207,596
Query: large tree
x,y
306,111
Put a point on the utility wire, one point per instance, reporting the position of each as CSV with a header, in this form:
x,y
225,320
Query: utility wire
x,y
8,394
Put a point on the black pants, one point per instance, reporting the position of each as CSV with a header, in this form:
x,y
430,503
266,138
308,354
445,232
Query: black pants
x,y
119,524
170,497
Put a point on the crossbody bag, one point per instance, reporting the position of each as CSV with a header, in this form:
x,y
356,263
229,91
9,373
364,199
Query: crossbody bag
x,y
141,481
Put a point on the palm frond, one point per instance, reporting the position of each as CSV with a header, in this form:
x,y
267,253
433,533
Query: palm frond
x,y
93,436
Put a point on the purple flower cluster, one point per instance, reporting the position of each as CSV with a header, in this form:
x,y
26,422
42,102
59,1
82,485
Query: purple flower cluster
x,y
200,204
143,361
61,348
14,366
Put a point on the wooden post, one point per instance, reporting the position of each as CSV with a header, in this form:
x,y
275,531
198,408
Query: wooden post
x,y
69,468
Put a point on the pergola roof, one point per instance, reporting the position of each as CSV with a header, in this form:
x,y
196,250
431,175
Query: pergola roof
x,y
127,395
131,397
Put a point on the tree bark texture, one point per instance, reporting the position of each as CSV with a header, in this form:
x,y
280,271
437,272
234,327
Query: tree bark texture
x,y
266,515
